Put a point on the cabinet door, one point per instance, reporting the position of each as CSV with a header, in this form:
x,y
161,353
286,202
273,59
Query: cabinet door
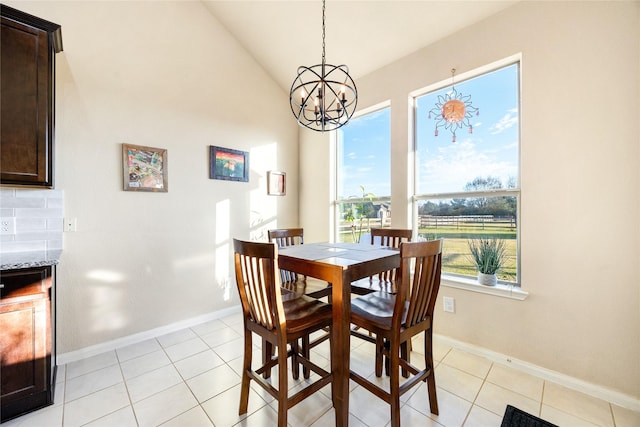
x,y
24,356
26,151
25,341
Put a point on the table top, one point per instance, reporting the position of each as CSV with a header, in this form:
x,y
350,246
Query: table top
x,y
343,254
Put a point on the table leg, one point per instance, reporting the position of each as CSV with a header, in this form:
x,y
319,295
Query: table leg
x,y
341,300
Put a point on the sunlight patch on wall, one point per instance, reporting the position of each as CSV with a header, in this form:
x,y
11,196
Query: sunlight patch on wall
x,y
198,261
105,276
223,278
106,308
223,221
264,208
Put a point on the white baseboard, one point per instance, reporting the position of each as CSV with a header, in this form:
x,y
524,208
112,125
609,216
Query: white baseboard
x,y
612,396
83,353
600,392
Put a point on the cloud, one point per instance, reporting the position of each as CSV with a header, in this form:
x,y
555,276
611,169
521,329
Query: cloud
x,y
510,119
452,166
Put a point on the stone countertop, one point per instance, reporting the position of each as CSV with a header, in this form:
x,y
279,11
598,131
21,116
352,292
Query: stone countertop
x,y
14,260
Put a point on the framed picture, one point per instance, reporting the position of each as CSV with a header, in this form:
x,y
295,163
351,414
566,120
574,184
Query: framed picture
x,y
144,168
276,183
228,164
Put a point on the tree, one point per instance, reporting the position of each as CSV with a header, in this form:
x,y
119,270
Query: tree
x,y
480,184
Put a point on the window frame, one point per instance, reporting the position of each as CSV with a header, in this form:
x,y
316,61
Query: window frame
x,y
510,289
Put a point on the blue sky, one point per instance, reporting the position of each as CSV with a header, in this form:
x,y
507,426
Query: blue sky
x,y
366,150
442,165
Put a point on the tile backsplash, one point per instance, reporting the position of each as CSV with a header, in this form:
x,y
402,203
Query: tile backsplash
x,y
31,220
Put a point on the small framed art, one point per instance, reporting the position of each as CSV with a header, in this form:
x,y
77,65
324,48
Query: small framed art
x,y
228,164
276,183
144,168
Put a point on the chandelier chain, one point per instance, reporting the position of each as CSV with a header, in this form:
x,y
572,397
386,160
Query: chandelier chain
x,y
323,31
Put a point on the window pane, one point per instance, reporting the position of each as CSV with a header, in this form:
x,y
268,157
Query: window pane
x,y
443,166
363,160
355,219
458,220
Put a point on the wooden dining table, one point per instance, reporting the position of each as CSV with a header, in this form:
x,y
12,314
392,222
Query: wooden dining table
x,y
339,264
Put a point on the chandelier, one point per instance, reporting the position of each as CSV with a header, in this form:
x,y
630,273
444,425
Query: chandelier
x,y
323,97
453,110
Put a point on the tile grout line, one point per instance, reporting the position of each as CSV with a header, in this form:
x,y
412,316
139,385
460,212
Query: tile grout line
x,y
185,381
126,387
544,387
64,394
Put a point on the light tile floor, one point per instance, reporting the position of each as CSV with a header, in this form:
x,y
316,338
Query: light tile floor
x,y
191,378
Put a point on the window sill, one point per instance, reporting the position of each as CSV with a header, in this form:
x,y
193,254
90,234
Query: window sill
x,y
500,290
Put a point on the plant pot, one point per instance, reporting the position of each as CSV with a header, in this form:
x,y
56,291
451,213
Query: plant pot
x,y
487,279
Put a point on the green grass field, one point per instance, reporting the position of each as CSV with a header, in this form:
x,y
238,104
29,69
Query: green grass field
x,y
456,256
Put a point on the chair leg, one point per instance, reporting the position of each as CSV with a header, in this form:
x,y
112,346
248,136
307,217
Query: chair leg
x,y
387,362
394,383
267,354
379,355
246,366
306,372
404,355
283,388
431,379
295,363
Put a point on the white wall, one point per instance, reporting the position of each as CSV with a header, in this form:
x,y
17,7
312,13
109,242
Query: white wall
x,y
580,184
167,75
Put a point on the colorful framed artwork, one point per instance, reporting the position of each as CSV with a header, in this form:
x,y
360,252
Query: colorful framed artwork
x,y
144,168
276,183
228,164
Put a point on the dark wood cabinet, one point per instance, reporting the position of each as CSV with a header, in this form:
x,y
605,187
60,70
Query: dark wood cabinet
x,y
29,45
27,340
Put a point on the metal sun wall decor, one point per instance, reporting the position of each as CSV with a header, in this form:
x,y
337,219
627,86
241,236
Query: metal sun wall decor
x,y
323,97
453,110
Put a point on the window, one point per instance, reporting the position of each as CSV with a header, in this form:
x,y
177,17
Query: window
x,y
363,175
470,188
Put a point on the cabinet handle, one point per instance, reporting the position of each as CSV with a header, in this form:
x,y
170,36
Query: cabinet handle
x,y
1,285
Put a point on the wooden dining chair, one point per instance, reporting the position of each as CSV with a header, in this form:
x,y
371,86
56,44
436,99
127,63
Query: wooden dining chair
x,y
279,320
385,281
309,286
395,318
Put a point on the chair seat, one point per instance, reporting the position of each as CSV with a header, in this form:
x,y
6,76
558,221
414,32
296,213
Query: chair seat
x,y
375,309
308,286
303,312
368,285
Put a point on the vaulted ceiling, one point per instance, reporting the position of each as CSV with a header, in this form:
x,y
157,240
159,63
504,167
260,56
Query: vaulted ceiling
x,y
363,34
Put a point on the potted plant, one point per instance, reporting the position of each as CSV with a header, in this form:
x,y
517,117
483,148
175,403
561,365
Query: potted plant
x,y
489,254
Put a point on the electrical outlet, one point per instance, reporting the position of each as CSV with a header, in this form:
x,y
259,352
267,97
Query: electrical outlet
x,y
7,225
70,224
449,304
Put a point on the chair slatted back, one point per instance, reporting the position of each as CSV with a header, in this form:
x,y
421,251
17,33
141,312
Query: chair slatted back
x,y
255,265
284,237
391,237
421,289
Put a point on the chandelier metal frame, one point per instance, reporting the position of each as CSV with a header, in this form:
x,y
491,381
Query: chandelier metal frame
x,y
323,97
